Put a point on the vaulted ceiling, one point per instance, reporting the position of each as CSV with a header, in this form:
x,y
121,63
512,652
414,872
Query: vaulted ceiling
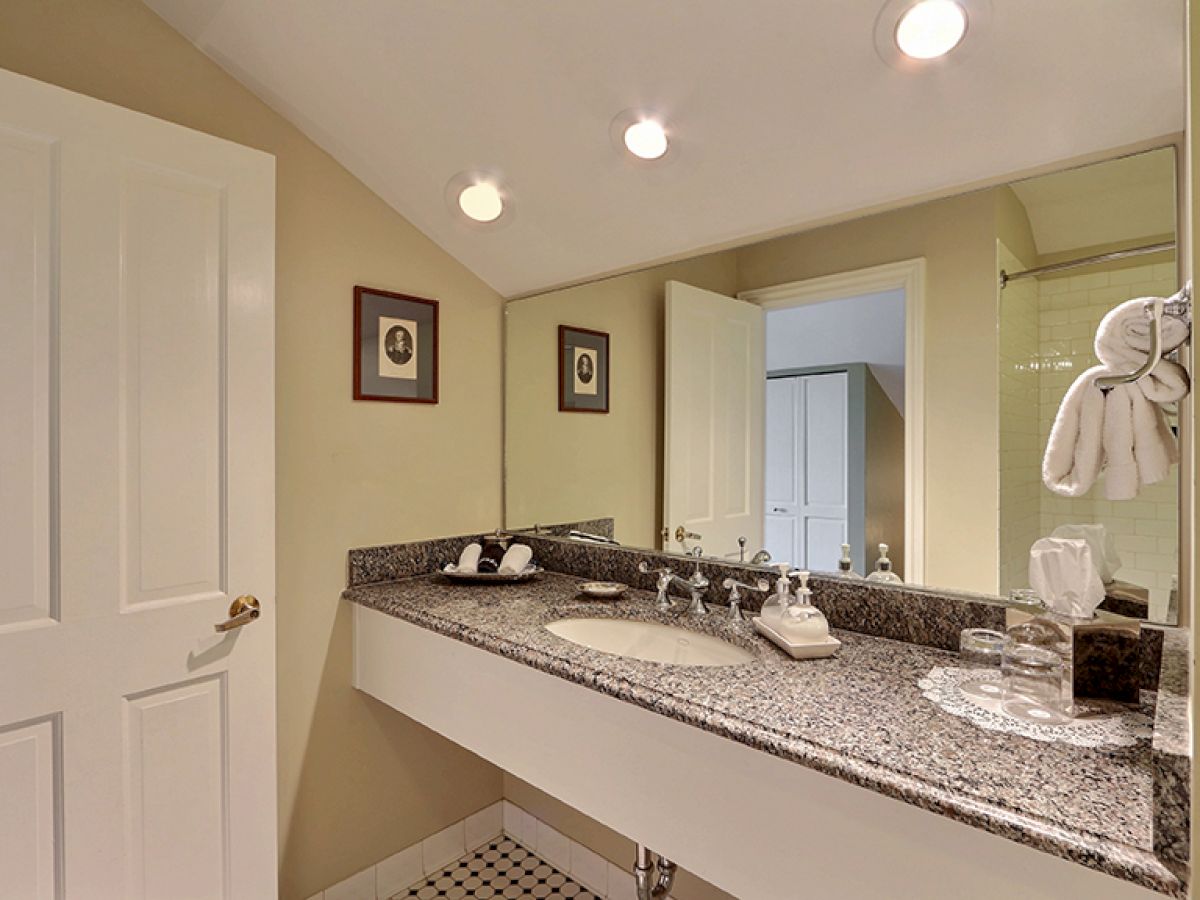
x,y
782,112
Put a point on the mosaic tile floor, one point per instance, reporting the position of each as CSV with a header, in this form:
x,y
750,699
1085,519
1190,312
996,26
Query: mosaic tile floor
x,y
500,870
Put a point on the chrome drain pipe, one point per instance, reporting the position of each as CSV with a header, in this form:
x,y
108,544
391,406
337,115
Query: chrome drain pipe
x,y
649,887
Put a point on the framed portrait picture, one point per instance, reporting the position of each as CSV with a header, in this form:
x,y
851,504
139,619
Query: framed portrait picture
x,y
582,370
395,347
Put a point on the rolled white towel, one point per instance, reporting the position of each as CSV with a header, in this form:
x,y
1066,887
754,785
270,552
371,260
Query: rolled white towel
x,y
515,559
1123,337
468,560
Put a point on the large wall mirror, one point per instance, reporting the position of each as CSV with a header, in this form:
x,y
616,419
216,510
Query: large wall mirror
x,y
890,379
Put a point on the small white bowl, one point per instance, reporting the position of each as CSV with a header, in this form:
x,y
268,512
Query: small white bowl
x,y
603,590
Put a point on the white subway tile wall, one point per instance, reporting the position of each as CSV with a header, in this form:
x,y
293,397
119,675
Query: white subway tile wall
x,y
1020,441
1069,309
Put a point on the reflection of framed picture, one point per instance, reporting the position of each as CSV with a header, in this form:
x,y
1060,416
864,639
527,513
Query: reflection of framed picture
x,y
582,370
395,347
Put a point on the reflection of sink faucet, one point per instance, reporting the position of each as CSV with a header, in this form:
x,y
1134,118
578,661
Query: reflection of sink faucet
x,y
682,536
696,585
759,558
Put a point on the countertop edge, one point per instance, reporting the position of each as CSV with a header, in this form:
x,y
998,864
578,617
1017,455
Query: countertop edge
x,y
1119,860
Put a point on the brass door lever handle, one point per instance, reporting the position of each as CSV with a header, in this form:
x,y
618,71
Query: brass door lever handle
x,y
242,611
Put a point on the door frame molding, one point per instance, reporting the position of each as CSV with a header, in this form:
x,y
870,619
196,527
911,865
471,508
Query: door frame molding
x,y
907,275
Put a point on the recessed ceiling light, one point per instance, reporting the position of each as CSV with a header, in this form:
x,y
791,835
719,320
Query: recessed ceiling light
x,y
646,139
931,28
481,201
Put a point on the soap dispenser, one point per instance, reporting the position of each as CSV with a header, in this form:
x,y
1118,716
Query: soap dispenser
x,y
883,568
846,564
801,622
772,609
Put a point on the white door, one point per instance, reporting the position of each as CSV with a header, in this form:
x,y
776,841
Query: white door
x,y
807,469
137,746
715,375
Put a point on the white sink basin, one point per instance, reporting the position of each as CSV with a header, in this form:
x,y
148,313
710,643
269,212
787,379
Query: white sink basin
x,y
650,641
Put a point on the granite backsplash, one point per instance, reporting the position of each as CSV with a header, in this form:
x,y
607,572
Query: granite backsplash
x,y
915,615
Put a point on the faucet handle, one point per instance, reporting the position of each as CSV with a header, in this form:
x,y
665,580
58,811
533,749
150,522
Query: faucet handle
x,y
662,582
644,568
735,588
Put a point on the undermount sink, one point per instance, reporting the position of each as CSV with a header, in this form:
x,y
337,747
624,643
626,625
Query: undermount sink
x,y
650,641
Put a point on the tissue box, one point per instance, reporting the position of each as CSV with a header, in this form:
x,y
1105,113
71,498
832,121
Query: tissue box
x,y
1104,652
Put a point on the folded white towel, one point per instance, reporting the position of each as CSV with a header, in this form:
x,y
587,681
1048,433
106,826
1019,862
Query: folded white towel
x,y
1123,432
1123,338
468,560
516,558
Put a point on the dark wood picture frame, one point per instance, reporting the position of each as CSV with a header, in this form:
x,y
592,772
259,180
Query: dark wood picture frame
x,y
369,384
600,341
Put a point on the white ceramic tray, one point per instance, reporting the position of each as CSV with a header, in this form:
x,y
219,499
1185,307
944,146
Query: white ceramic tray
x,y
451,571
807,650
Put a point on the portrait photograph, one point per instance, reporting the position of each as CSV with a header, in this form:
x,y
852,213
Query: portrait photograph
x,y
396,347
582,370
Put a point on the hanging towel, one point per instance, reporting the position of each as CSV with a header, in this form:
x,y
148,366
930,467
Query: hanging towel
x,y
1122,432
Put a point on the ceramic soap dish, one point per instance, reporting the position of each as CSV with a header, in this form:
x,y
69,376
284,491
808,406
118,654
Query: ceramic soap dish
x,y
603,590
805,650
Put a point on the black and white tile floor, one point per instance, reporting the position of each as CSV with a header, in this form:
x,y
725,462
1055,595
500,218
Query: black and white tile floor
x,y
500,870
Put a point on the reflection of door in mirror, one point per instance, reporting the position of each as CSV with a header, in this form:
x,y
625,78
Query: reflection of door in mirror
x,y
835,431
834,467
808,471
713,414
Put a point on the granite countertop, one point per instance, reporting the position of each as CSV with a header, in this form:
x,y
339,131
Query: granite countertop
x,y
859,716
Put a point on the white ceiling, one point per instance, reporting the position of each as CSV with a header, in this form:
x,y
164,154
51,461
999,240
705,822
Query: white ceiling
x,y
1115,201
783,112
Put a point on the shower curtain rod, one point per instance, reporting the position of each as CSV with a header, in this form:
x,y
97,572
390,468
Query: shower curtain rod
x,y
1006,277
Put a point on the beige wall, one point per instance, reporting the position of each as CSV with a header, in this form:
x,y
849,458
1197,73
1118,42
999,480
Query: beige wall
x,y
357,780
563,467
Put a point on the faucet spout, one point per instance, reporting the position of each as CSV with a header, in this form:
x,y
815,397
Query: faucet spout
x,y
695,586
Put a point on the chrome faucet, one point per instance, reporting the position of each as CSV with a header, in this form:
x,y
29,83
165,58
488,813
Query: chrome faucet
x,y
759,558
696,585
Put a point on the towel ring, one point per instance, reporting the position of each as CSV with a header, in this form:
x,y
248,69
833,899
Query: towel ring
x,y
1179,306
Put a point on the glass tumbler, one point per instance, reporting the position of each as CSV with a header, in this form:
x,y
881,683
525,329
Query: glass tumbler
x,y
1033,684
981,648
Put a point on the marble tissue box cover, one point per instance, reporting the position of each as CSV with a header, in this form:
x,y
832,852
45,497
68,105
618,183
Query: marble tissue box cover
x,y
1171,758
